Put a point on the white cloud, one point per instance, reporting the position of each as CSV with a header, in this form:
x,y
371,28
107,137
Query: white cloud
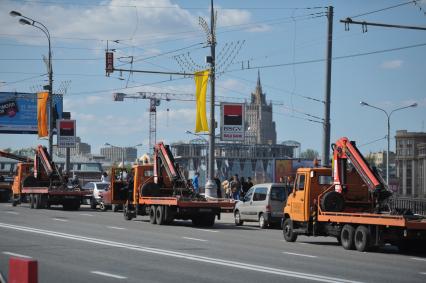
x,y
118,19
392,64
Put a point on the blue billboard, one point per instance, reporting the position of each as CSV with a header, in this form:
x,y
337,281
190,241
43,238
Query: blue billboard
x,y
18,112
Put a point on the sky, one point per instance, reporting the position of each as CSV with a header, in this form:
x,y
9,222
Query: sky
x,y
278,39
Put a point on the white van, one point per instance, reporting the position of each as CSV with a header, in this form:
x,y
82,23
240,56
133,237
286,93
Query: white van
x,y
263,203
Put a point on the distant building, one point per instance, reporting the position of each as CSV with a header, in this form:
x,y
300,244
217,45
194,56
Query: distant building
x,y
411,163
260,128
81,148
117,154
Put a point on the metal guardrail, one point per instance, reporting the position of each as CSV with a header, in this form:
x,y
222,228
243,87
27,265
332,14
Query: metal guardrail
x,y
417,206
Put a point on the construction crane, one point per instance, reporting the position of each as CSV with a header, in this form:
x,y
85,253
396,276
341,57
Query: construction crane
x,y
154,101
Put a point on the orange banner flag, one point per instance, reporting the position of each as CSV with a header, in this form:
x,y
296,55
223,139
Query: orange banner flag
x,y
42,119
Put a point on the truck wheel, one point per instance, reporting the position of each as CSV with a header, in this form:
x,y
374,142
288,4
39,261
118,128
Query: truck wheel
x,y
237,218
288,231
208,220
32,201
92,203
159,215
103,206
37,201
152,213
362,238
126,212
347,237
262,221
332,201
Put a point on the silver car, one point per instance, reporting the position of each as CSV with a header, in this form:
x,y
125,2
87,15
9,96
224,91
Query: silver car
x,y
263,203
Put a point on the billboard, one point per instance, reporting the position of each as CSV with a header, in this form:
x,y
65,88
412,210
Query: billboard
x,y
66,133
18,112
232,121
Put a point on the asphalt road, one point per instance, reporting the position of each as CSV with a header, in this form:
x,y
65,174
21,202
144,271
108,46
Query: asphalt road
x,y
94,246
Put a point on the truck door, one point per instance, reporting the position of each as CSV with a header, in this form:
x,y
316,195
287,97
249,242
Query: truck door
x,y
298,203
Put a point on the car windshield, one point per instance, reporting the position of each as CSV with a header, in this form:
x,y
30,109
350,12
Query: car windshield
x,y
102,186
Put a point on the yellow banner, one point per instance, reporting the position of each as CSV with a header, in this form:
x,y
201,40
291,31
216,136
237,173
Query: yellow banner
x,y
42,119
201,79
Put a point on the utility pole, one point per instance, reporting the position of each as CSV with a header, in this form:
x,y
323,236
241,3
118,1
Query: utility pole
x,y
210,184
326,135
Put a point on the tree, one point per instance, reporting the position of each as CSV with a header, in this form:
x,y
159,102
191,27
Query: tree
x,y
309,154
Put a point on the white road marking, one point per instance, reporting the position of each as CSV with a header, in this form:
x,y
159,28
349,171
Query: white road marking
x,y
418,258
313,256
59,219
117,228
108,275
13,212
15,254
86,214
231,263
194,239
206,230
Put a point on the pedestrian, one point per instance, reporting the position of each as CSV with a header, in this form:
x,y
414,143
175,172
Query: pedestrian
x,y
249,182
195,184
235,187
245,186
218,188
105,177
226,188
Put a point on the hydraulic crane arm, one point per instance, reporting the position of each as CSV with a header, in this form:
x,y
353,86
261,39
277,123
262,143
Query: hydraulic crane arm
x,y
15,157
42,158
345,149
163,158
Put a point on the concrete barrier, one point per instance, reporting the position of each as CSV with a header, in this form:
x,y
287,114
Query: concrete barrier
x,y
23,270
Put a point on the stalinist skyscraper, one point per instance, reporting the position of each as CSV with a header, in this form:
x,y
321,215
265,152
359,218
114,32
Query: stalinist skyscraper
x,y
260,129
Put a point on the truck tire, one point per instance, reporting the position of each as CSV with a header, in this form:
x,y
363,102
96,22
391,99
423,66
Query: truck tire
x,y
332,201
263,223
37,201
237,218
126,212
159,215
92,203
208,220
288,231
347,237
362,238
152,214
32,201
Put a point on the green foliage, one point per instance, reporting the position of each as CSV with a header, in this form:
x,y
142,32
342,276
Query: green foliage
x,y
309,154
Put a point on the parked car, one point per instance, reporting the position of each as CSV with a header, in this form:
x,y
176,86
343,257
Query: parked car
x,y
97,188
263,203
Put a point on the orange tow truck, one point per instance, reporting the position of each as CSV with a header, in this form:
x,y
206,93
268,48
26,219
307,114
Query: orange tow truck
x,y
351,203
6,187
43,184
161,191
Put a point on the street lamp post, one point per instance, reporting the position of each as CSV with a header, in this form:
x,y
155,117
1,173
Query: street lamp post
x,y
28,21
388,115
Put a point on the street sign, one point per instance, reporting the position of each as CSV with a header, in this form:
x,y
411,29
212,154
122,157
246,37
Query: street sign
x,y
66,133
109,63
232,121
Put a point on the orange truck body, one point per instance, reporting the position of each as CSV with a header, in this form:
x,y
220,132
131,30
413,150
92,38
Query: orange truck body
x,y
304,214
163,204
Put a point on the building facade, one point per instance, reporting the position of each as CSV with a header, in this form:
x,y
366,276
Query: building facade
x,y
411,163
260,128
118,154
81,148
378,159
